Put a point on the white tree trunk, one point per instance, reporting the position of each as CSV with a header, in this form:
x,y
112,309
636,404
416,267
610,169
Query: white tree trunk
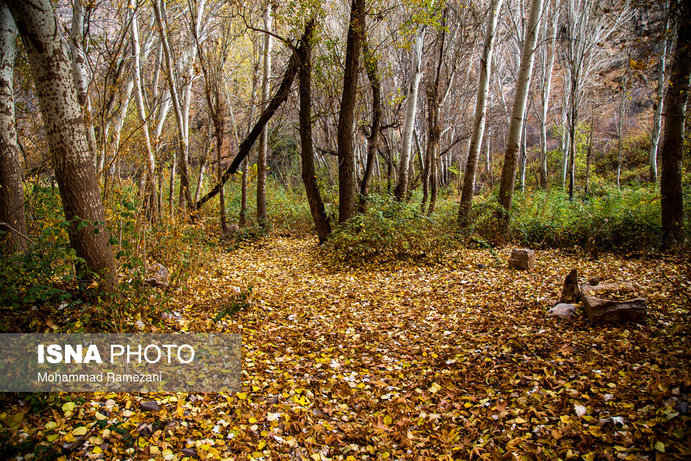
x,y
657,119
263,139
141,111
519,106
185,199
546,88
12,215
79,71
410,113
480,111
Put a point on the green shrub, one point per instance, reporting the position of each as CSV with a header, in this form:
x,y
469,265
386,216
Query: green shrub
x,y
610,219
390,230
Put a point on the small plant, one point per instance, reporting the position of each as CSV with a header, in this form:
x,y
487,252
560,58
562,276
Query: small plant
x,y
240,301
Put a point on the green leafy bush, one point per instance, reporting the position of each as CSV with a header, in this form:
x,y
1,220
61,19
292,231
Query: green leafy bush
x,y
390,230
610,219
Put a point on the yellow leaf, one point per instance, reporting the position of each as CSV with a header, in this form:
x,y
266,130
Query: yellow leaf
x,y
659,446
388,420
81,430
241,395
68,407
261,445
51,425
434,388
100,416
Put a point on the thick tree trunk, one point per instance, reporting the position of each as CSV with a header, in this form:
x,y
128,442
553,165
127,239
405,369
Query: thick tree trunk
x,y
401,190
346,158
673,140
263,139
309,176
480,109
508,176
66,134
12,215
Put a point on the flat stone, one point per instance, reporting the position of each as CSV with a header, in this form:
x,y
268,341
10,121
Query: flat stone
x,y
601,310
149,405
617,291
522,259
563,311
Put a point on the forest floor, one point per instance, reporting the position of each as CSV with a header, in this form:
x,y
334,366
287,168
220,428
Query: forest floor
x,y
456,360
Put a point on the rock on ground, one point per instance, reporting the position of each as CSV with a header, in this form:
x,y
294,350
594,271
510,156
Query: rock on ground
x,y
158,276
522,259
563,311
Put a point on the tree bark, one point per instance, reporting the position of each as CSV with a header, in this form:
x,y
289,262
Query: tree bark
x,y
79,72
67,138
545,90
263,139
480,109
657,118
309,176
401,190
372,69
185,200
673,140
508,176
12,214
153,200
346,157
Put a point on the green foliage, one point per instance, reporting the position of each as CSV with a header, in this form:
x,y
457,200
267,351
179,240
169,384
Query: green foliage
x,y
390,230
238,302
610,219
43,274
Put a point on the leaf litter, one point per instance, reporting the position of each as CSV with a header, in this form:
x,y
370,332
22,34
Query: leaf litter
x,y
403,361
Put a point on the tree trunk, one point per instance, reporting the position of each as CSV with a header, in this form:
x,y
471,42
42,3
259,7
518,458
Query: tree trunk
x,y
545,91
564,144
263,139
309,176
620,130
573,121
372,69
508,176
346,158
401,190
589,153
657,119
12,215
673,140
185,201
153,200
480,110
66,135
